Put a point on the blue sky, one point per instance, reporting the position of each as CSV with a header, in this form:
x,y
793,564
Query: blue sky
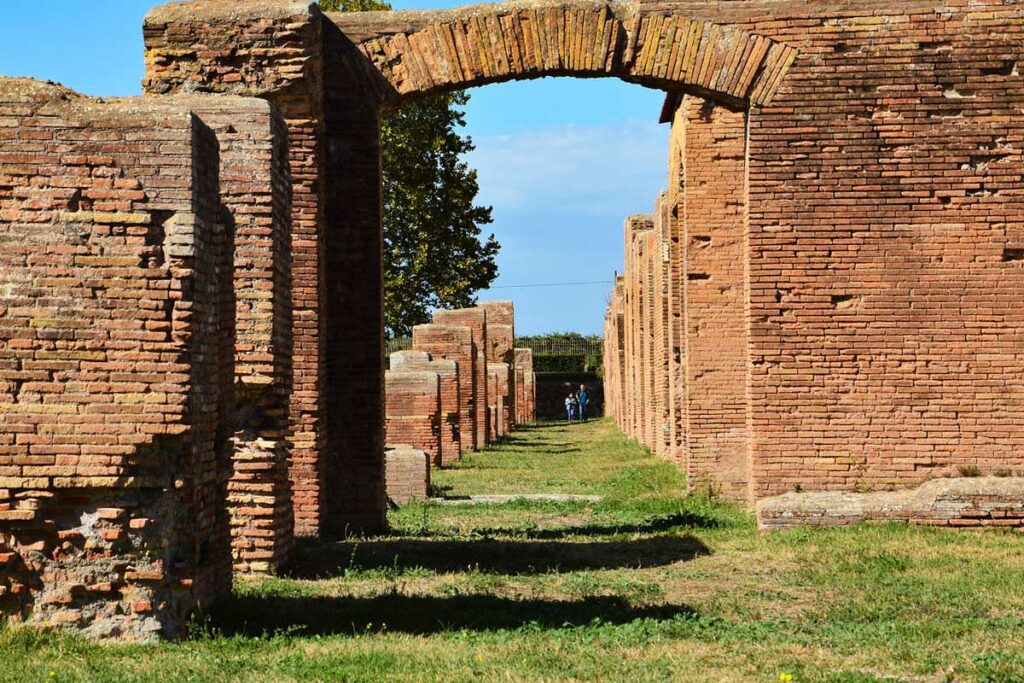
x,y
562,161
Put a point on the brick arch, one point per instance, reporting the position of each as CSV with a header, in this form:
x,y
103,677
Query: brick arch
x,y
410,54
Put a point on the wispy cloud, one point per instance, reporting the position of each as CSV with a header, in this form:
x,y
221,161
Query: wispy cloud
x,y
617,168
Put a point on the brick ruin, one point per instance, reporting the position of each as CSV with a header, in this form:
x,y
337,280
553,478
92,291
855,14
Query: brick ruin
x,y
814,319
432,392
191,367
448,418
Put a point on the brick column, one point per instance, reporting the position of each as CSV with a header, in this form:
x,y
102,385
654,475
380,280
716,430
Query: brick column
x,y
501,339
476,320
455,343
448,374
500,396
413,403
716,323
255,193
353,295
676,206
524,372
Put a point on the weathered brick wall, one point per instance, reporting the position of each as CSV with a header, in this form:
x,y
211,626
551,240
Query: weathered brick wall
x,y
413,409
499,397
454,343
524,376
256,193
274,50
448,375
476,320
716,324
501,338
116,332
843,252
407,473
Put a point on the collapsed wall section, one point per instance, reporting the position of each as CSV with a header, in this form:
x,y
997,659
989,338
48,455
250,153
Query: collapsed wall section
x,y
117,331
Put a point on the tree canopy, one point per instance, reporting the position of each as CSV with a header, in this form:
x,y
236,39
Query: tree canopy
x,y
434,256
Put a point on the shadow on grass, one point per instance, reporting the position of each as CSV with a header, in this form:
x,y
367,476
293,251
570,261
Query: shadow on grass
x,y
493,556
689,520
265,615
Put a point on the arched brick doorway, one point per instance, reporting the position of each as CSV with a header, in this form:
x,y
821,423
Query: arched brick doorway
x,y
332,75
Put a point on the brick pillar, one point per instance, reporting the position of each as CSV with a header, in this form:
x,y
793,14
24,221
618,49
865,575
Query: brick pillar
x,y
192,49
117,334
413,405
716,324
676,206
501,342
455,343
500,402
476,320
448,374
501,339
524,372
637,228
620,351
254,191
659,328
353,297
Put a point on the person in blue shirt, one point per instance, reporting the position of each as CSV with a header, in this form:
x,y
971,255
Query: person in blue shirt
x,y
583,398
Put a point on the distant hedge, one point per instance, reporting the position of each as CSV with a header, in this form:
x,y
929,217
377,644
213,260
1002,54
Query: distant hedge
x,y
558,363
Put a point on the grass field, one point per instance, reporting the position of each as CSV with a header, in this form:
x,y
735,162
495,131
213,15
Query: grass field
x,y
646,585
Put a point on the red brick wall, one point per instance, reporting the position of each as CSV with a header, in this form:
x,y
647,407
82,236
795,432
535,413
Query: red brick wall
x,y
448,374
873,200
413,405
407,473
455,343
476,320
716,325
116,333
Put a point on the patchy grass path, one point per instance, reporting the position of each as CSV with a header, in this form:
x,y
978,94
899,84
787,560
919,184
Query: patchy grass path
x,y
646,585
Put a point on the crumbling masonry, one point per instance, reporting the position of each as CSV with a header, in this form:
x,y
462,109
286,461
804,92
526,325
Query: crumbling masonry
x,y
432,391
191,366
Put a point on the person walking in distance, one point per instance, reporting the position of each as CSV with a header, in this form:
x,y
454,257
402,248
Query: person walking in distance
x,y
582,399
570,407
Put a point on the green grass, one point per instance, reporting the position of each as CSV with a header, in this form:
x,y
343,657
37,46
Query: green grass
x,y
645,585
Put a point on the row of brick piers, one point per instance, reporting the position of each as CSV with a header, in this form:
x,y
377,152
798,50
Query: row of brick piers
x,y
462,386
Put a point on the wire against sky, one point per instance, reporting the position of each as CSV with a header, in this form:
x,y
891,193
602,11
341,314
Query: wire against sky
x,y
555,284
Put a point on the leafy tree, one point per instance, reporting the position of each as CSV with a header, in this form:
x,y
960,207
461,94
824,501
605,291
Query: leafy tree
x,y
433,254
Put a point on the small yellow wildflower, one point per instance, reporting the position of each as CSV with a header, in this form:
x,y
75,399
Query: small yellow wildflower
x,y
785,677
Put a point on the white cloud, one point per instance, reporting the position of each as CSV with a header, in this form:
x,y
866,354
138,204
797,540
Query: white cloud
x,y
589,171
